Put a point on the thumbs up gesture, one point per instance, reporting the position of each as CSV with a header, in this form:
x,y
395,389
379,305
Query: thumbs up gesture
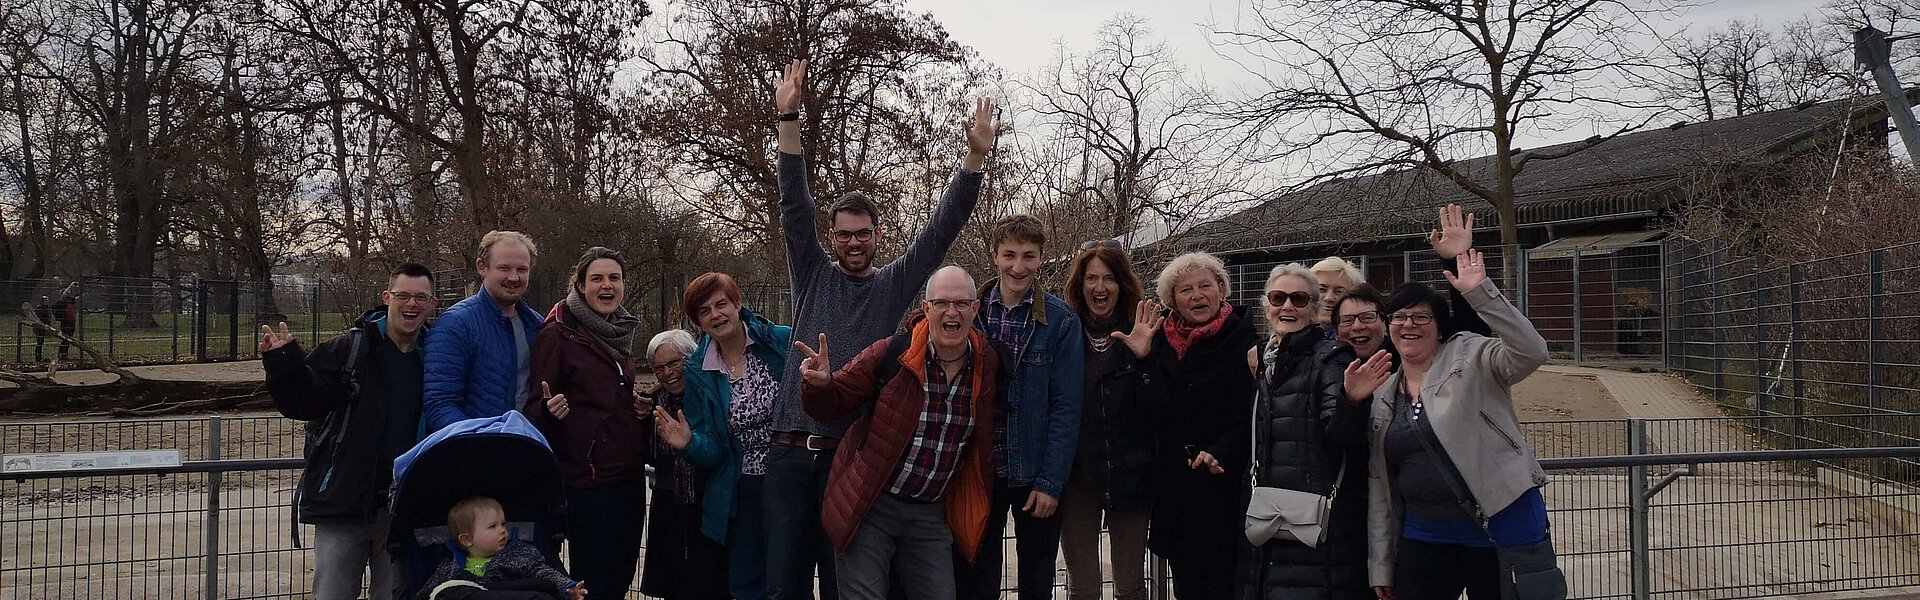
x,y
816,370
556,404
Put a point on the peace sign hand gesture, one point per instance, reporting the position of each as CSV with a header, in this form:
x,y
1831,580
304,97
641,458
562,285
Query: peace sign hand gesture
x,y
790,94
1473,272
1146,320
816,370
270,342
1364,376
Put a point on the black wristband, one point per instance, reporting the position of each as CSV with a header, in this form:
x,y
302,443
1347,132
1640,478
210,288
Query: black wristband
x,y
792,116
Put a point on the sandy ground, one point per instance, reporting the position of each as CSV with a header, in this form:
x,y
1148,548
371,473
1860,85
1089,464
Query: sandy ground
x,y
144,537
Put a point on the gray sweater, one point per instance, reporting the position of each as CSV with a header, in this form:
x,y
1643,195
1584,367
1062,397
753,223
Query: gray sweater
x,y
854,312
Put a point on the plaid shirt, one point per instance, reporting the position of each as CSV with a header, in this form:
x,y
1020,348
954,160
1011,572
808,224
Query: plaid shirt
x,y
946,423
1008,328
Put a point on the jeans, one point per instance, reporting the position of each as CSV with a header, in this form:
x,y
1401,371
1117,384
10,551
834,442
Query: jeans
x,y
796,480
1422,570
900,541
342,552
747,540
1080,517
603,535
1036,540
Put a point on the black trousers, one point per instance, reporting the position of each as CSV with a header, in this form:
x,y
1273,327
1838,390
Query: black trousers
x,y
1035,540
1425,571
604,525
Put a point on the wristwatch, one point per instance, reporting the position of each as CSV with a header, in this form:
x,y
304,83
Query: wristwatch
x,y
792,116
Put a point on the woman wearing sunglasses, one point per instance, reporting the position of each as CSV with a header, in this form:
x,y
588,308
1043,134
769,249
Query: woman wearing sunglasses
x,y
1453,487
1117,421
1309,435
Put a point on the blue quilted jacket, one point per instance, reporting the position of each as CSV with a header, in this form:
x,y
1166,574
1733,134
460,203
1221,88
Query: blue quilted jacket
x,y
472,373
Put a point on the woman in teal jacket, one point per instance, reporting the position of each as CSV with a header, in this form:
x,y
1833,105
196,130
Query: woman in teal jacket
x,y
732,380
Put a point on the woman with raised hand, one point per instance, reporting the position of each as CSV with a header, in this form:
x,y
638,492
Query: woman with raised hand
x,y
732,380
1453,485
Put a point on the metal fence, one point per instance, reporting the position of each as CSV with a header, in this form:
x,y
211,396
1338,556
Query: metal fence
x,y
1684,524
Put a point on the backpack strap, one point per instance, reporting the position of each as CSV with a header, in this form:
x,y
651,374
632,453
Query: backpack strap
x,y
890,362
332,426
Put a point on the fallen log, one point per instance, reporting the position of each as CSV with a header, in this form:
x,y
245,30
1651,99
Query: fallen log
x,y
128,394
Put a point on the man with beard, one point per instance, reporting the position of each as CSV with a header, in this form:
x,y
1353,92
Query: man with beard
x,y
360,395
851,302
479,366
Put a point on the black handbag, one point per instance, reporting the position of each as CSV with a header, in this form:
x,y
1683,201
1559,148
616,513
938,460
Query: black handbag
x,y
1529,572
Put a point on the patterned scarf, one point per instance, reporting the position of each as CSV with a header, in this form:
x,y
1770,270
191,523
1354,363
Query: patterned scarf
x,y
1182,335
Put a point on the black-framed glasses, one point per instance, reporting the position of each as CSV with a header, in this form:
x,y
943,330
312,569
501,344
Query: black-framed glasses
x,y
1299,299
1107,243
941,306
672,365
848,236
1416,318
1367,318
406,297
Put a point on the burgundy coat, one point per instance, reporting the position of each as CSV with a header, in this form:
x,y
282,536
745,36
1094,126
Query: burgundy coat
x,y
601,440
877,442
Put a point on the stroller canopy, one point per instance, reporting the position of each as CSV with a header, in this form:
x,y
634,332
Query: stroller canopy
x,y
504,458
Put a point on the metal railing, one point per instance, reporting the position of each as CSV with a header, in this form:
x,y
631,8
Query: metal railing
x,y
1730,507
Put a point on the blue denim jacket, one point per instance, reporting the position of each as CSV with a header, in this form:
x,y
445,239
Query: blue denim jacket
x,y
1044,392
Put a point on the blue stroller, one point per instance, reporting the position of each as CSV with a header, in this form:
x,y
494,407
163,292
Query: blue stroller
x,y
502,457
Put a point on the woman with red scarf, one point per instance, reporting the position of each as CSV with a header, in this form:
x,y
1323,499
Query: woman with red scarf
x,y
1199,474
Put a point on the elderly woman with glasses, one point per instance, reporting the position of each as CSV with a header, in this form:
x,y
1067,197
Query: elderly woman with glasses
x,y
1453,485
1198,472
680,564
1309,435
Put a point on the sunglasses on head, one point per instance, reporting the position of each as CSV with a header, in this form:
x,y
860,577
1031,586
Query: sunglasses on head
x,y
1108,243
1299,299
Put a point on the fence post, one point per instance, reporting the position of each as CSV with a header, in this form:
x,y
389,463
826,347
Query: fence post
x,y
173,293
1760,404
1660,303
1162,579
1876,351
1640,530
19,335
200,296
233,321
1793,350
1716,276
213,510
1579,332
313,312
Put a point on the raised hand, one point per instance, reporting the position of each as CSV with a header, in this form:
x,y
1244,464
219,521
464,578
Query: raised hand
x,y
1364,376
270,342
1455,234
556,404
1473,272
790,94
1146,321
673,428
816,370
982,129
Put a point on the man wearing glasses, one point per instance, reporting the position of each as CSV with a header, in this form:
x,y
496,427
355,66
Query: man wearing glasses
x,y
854,304
360,396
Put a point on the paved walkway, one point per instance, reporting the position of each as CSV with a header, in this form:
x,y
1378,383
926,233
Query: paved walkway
x,y
1680,420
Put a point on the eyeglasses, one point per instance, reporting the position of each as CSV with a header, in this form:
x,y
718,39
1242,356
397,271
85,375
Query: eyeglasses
x,y
1108,243
941,306
1367,318
672,365
405,297
1299,299
1416,319
848,236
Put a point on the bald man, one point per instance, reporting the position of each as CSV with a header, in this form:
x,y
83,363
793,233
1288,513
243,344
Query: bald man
x,y
919,485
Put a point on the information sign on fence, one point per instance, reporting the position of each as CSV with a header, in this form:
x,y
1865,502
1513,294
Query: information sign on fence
x,y
76,461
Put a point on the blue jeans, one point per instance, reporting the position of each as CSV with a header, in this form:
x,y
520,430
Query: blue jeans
x,y
747,541
796,545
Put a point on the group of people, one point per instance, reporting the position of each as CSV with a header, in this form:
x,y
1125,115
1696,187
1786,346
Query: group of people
x,y
882,441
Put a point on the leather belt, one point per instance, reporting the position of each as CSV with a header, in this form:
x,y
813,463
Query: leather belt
x,y
816,443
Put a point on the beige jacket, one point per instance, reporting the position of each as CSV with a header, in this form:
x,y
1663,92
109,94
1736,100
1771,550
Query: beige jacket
x,y
1467,399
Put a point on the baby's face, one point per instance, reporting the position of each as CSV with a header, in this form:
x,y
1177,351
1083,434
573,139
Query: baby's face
x,y
489,534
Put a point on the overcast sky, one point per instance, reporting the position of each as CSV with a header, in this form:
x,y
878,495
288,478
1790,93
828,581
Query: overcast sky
x,y
1020,35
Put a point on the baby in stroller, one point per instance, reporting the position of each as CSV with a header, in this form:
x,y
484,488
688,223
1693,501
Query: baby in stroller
x,y
488,563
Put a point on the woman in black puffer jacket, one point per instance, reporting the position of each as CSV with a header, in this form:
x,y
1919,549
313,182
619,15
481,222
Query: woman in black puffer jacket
x,y
1307,430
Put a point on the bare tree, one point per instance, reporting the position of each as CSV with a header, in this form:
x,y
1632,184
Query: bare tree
x,y
1378,85
1745,68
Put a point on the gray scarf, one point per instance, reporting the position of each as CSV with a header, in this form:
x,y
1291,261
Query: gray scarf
x,y
614,331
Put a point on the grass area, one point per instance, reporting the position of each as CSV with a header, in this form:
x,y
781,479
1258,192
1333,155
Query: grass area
x,y
172,339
